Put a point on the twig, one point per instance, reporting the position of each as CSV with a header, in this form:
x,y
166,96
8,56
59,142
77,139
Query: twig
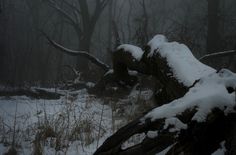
x,y
218,54
14,128
100,123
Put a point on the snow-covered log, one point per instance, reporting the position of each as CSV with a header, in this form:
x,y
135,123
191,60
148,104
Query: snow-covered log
x,y
171,63
198,110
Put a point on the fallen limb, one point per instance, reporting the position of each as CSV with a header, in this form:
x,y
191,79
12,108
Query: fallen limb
x,y
36,93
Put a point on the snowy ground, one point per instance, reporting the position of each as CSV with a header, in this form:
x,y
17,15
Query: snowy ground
x,y
75,124
78,123
21,118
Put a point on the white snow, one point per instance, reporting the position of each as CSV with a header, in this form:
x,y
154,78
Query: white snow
x,y
82,109
132,141
156,41
90,84
152,134
221,150
185,67
27,115
130,72
135,51
209,93
176,123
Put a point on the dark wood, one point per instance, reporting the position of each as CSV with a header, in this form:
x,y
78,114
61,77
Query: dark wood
x,y
36,93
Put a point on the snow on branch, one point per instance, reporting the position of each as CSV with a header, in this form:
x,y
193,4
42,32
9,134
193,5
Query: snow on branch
x,y
135,51
84,54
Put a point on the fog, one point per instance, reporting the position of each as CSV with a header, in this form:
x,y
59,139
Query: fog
x,y
90,25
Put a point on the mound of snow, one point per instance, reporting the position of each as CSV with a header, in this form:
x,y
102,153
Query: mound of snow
x,y
185,67
135,51
209,93
156,41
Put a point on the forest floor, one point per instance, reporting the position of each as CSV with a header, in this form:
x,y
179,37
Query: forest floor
x,y
77,123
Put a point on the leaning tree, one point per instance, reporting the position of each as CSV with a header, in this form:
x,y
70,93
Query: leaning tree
x,y
196,104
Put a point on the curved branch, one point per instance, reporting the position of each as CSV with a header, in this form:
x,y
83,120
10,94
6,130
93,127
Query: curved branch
x,y
84,54
61,11
72,6
218,54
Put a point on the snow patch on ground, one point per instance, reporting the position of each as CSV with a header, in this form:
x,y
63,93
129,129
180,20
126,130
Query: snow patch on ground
x,y
152,134
92,118
185,67
135,51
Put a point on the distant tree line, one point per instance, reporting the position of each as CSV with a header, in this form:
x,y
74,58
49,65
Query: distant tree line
x,y
94,26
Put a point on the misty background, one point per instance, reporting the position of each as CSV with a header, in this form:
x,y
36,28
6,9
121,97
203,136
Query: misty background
x,y
205,26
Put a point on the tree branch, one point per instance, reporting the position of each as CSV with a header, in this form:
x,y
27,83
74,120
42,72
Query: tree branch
x,y
218,54
61,11
72,6
84,54
36,93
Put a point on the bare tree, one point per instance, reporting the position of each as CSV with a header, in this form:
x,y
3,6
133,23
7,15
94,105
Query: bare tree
x,y
80,15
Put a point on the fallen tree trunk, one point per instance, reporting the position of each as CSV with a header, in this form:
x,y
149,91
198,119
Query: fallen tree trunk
x,y
198,103
196,110
152,62
198,138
